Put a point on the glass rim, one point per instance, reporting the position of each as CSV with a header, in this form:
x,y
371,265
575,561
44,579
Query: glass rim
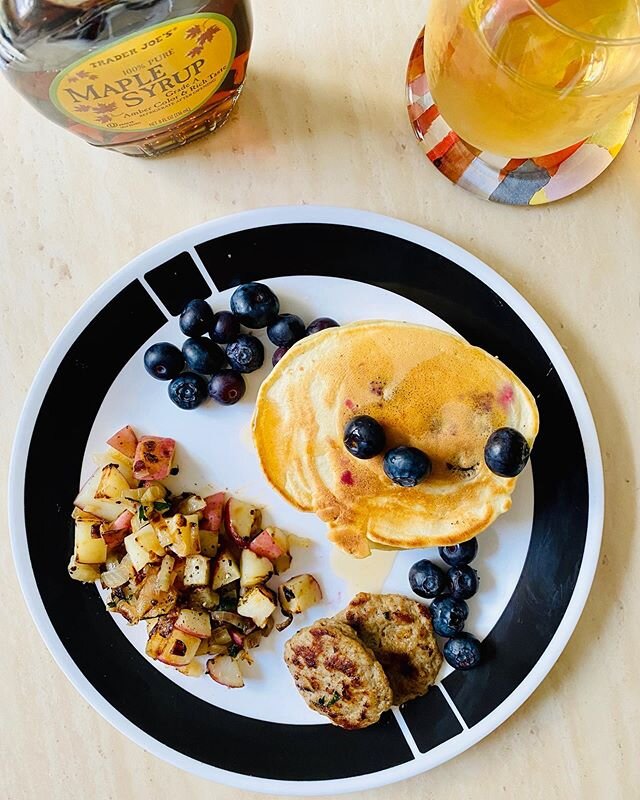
x,y
576,34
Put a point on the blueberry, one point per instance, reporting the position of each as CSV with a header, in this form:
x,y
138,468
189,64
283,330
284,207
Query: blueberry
x,y
407,466
255,305
364,437
225,328
277,355
321,324
196,318
506,452
427,579
286,330
463,651
227,387
448,615
164,361
246,354
457,554
188,390
202,355
463,582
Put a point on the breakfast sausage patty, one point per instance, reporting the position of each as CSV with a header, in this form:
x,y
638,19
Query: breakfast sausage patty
x,y
399,632
338,675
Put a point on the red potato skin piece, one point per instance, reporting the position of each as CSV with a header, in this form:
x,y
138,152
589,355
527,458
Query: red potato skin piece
x,y
119,528
124,441
212,514
153,458
238,540
237,637
265,546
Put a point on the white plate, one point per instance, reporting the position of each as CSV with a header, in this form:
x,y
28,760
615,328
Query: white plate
x,y
536,564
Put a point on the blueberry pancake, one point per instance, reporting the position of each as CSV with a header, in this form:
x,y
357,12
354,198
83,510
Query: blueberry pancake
x,y
429,391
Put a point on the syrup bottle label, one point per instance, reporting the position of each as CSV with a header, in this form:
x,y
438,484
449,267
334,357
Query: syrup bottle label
x,y
149,80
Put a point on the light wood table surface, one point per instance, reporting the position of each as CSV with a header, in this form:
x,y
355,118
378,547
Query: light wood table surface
x,y
323,121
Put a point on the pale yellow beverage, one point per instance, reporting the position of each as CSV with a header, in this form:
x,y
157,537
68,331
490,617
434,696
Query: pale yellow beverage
x,y
522,78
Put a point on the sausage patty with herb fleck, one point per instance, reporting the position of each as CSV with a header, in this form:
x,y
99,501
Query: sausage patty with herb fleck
x,y
399,632
338,675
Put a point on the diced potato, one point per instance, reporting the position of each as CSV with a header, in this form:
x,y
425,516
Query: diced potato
x,y
124,441
225,570
208,542
165,574
115,533
193,670
161,526
184,534
125,464
155,644
195,623
257,604
153,458
112,483
212,514
90,547
105,509
86,573
147,538
180,649
241,521
264,545
197,571
299,594
225,670
139,556
253,569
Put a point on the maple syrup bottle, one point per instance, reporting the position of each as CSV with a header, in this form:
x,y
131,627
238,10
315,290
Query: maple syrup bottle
x,y
138,76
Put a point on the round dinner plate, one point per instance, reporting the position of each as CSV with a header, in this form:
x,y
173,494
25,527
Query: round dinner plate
x,y
536,563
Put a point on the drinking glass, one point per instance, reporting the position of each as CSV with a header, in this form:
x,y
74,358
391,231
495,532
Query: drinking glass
x,y
526,78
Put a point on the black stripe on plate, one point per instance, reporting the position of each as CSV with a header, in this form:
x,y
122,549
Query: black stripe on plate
x,y
561,486
116,670
431,720
177,281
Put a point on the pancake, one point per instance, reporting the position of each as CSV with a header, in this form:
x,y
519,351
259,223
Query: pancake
x,y
428,389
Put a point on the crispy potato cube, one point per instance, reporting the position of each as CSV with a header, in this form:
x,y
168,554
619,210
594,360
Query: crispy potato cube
x,y
90,547
257,604
299,594
180,649
147,538
183,533
225,570
86,573
195,623
197,571
124,441
254,569
112,483
138,554
153,458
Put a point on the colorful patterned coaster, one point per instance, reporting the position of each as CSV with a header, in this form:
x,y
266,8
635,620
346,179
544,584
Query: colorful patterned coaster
x,y
517,182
